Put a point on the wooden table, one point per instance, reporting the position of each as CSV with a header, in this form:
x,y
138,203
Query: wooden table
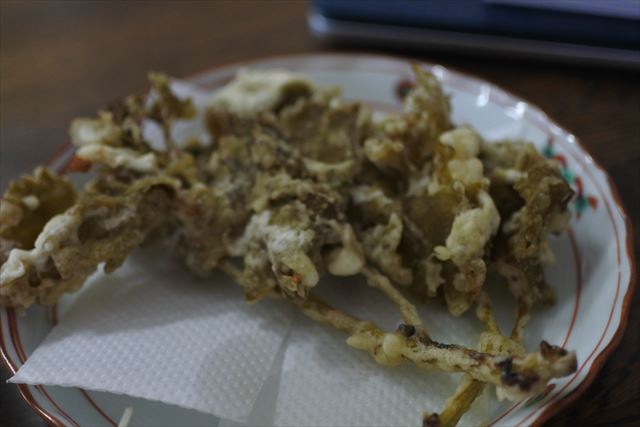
x,y
62,60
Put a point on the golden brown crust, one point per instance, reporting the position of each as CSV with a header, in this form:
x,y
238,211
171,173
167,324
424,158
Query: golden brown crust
x,y
29,203
303,185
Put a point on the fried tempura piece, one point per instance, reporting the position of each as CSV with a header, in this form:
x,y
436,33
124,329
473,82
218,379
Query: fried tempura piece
x,y
453,219
28,204
448,217
426,116
377,220
491,341
97,229
301,232
534,197
515,376
296,183
254,91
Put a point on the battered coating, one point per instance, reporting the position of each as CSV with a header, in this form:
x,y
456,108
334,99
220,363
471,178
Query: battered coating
x,y
297,183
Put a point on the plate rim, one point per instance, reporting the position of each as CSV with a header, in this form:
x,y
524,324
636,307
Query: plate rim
x,y
548,410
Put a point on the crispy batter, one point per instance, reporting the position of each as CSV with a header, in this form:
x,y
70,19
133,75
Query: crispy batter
x,y
298,183
534,199
29,203
97,229
491,341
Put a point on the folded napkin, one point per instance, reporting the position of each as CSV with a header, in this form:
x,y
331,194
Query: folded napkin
x,y
153,330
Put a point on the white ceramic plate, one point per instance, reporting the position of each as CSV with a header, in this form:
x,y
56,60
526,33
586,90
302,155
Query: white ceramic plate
x,y
595,259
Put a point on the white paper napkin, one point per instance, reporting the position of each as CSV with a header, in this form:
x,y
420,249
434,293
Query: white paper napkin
x,y
152,330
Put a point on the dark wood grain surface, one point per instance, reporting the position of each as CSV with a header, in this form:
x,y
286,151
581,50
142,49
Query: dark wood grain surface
x,y
59,60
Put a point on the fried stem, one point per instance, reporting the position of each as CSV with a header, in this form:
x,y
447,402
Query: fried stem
x,y
456,405
469,389
313,306
522,318
518,375
379,281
